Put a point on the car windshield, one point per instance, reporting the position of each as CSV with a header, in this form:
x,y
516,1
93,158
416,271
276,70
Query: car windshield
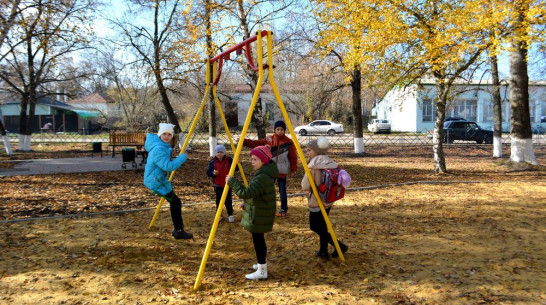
x,y
472,125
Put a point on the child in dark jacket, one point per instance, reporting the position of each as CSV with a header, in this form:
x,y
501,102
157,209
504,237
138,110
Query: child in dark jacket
x,y
218,170
158,167
318,160
284,154
260,204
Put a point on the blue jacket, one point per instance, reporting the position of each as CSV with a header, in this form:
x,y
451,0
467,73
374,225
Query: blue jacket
x,y
159,164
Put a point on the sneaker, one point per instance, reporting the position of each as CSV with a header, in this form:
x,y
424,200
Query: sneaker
x,y
282,213
181,234
231,218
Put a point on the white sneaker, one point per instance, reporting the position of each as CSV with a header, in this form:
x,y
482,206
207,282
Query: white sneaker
x,y
260,274
231,218
255,266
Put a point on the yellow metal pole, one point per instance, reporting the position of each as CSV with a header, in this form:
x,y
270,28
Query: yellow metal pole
x,y
298,147
226,127
235,161
186,142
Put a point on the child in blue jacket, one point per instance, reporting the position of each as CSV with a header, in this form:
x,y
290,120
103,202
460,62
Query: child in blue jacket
x,y
158,168
218,170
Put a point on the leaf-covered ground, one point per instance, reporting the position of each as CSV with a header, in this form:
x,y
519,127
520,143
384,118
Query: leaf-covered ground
x,y
479,239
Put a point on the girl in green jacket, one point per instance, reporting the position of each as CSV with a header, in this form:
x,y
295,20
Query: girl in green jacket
x,y
260,204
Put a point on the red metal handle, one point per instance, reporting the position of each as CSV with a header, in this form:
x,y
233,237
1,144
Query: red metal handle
x,y
237,48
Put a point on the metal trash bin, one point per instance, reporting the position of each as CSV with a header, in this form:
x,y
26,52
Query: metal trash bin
x,y
128,154
97,148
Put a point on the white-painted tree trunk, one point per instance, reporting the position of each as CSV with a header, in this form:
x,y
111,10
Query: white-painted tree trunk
x,y
7,145
21,143
522,151
28,141
497,147
213,141
359,145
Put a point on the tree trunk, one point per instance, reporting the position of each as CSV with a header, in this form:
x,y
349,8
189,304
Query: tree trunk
x,y
23,122
497,110
159,79
520,121
257,119
438,135
212,107
356,86
30,121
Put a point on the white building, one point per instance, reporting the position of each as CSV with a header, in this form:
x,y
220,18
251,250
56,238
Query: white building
x,y
413,109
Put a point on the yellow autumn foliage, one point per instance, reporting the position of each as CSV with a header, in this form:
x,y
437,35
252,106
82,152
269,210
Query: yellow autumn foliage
x,y
422,35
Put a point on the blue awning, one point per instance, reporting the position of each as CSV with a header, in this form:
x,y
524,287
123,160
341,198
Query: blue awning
x,y
84,114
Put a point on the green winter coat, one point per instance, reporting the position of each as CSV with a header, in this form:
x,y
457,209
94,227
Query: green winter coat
x,y
260,199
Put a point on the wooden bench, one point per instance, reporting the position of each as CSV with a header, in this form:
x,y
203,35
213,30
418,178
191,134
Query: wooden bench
x,y
124,139
131,139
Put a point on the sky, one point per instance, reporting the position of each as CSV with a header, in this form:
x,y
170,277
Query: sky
x,y
116,8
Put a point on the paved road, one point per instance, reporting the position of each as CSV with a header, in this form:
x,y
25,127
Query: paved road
x,y
67,165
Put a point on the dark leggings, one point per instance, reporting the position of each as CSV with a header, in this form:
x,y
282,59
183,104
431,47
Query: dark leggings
x,y
176,210
229,203
259,246
317,224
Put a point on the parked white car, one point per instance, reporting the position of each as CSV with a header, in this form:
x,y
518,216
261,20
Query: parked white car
x,y
319,126
379,125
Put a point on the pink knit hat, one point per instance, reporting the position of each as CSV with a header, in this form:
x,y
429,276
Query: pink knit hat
x,y
263,153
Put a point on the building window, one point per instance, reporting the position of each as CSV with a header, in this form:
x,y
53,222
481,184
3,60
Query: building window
x,y
429,111
543,112
489,112
505,112
465,109
532,110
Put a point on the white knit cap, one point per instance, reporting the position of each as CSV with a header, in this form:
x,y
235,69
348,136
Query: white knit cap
x,y
165,128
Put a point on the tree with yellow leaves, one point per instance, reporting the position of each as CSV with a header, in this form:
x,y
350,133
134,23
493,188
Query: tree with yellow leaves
x,y
411,40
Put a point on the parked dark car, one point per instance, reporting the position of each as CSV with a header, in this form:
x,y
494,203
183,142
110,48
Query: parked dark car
x,y
454,118
466,131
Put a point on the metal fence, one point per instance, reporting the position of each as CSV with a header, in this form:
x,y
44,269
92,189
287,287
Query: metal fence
x,y
345,139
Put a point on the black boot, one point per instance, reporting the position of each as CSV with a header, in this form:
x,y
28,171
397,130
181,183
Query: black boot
x,y
343,247
323,254
323,251
181,234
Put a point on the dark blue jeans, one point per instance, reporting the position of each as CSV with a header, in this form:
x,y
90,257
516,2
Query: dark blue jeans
x,y
281,182
229,203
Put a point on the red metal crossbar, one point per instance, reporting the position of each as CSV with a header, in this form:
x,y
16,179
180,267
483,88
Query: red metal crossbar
x,y
237,48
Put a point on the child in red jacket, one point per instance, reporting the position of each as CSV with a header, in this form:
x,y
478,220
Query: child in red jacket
x,y
218,170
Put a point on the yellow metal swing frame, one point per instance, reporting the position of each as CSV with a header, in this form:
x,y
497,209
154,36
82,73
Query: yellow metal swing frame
x,y
217,62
